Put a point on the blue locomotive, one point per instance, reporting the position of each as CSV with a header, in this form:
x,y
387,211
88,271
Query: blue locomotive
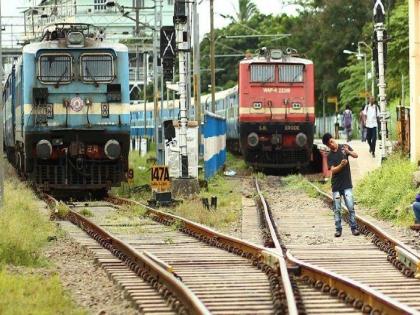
x,y
66,113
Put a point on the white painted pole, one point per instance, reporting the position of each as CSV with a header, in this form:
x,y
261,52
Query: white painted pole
x,y
1,118
414,39
379,28
183,45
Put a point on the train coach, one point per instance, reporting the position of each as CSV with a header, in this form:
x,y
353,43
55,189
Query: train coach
x,y
66,113
270,114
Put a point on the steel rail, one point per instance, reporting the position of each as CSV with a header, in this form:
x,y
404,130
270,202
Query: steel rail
x,y
361,296
291,302
272,258
139,262
255,250
399,252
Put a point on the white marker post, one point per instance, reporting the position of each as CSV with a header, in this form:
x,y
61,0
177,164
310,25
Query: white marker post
x,y
379,18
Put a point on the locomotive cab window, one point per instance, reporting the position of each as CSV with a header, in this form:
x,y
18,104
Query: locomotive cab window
x,y
290,73
55,68
263,73
96,68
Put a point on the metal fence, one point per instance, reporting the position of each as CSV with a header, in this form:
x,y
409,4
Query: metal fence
x,y
214,132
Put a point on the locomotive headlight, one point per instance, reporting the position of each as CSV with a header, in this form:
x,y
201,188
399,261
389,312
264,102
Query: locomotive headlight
x,y
253,139
75,38
112,149
43,149
301,139
88,101
296,106
257,105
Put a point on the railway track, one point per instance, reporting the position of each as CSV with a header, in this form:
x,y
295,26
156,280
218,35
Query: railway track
x,y
374,274
167,264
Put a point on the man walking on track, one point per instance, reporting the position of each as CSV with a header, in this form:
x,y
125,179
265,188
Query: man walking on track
x,y
341,181
371,113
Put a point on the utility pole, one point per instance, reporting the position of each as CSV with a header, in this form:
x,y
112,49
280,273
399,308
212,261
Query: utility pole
x,y
414,79
196,72
372,66
379,19
212,58
155,83
145,66
1,118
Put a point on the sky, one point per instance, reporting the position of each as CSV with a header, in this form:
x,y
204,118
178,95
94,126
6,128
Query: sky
x,y
229,7
226,7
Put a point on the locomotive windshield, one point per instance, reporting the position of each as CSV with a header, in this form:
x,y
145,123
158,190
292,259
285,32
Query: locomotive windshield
x,y
262,73
290,73
55,68
97,68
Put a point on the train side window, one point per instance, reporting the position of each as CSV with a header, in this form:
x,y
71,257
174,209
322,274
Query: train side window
x,y
97,68
290,73
55,68
263,73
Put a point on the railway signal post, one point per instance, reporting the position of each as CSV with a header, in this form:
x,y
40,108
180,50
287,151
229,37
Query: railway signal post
x,y
380,38
184,184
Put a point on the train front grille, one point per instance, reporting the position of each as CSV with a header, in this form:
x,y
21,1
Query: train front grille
x,y
278,158
90,173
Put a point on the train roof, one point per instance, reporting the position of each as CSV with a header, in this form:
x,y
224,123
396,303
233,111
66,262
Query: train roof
x,y
138,106
33,48
72,36
284,59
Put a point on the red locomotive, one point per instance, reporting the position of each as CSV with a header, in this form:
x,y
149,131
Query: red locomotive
x,y
276,110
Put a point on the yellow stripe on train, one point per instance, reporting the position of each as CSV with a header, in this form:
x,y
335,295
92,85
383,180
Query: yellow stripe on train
x,y
276,111
95,108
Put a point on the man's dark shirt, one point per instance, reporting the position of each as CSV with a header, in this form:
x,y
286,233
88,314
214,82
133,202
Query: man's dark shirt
x,y
342,179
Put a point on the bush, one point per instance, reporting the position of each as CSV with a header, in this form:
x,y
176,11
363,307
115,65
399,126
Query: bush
x,y
28,294
23,229
388,191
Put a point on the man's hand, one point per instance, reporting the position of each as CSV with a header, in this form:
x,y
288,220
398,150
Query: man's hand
x,y
346,149
348,152
344,162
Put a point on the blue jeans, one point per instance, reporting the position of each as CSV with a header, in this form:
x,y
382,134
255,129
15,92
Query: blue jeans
x,y
349,201
416,209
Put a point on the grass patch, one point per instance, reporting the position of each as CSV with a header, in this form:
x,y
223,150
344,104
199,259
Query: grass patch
x,y
23,229
237,163
86,212
140,185
229,203
27,294
298,182
61,211
388,191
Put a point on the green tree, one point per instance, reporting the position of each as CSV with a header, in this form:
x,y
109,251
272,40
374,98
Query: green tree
x,y
397,60
247,9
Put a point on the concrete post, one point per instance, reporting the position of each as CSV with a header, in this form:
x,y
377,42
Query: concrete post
x,y
379,28
145,66
155,82
212,58
414,37
197,78
1,119
183,46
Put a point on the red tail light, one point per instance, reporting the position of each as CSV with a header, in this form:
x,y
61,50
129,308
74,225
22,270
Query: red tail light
x,y
289,140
